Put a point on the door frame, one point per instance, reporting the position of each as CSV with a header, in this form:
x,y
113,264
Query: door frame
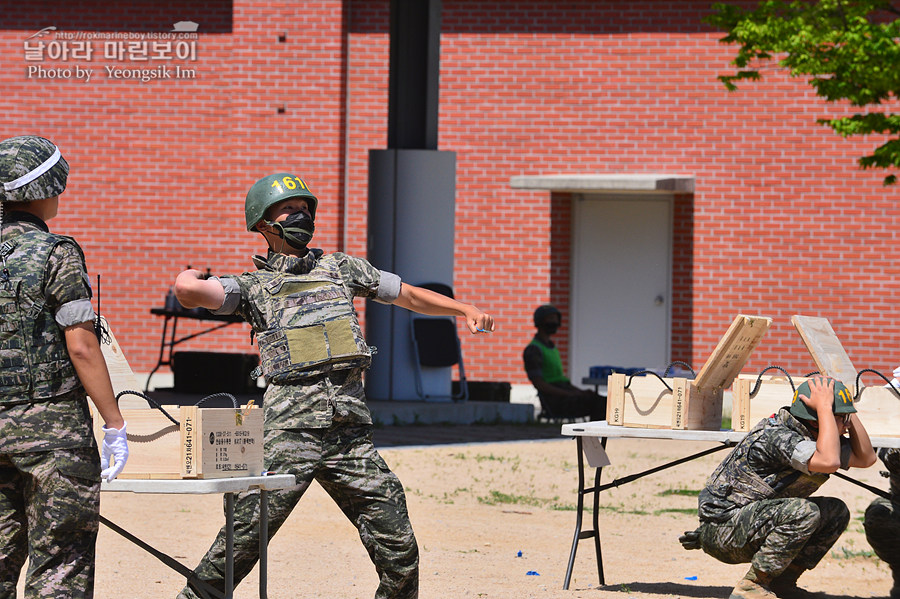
x,y
578,231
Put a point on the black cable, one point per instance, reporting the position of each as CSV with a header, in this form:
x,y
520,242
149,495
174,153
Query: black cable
x,y
151,401
156,405
234,402
680,363
859,390
647,372
763,371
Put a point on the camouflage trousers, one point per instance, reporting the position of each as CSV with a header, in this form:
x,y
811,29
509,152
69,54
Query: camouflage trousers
x,y
882,526
771,534
49,515
345,463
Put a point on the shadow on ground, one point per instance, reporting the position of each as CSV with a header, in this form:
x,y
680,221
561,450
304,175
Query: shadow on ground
x,y
674,589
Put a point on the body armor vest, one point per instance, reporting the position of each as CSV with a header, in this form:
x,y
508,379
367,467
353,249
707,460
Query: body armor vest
x,y
734,484
310,325
34,362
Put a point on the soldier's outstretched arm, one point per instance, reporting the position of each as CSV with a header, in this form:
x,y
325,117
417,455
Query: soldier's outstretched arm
x,y
193,290
425,301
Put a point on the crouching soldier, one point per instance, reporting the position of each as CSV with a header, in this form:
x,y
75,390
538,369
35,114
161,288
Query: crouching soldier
x,y
756,506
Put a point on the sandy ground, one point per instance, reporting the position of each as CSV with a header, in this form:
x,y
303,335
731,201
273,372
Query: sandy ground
x,y
492,520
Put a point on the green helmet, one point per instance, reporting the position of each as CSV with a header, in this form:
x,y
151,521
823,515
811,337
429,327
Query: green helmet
x,y
843,401
31,168
272,189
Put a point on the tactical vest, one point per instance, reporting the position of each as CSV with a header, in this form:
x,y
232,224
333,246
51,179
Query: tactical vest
x,y
34,362
310,326
734,484
552,368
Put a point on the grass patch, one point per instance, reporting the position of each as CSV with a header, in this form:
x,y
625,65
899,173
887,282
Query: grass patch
x,y
683,492
500,498
675,510
844,553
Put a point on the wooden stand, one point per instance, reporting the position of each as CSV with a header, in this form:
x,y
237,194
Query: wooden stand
x,y
878,407
686,404
209,443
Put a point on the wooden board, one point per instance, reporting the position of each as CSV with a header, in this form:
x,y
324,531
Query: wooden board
x,y
827,352
207,442
649,403
878,407
154,443
120,373
732,352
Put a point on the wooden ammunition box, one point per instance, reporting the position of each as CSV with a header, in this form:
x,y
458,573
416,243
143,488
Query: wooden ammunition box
x,y
878,407
207,442
678,403
651,402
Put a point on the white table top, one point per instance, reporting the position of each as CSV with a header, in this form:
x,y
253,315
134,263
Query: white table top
x,y
602,429
200,485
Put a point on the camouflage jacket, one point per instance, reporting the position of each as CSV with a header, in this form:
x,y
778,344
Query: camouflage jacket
x,y
322,394
48,412
769,463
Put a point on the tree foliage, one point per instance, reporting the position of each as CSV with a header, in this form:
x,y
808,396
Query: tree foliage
x,y
849,50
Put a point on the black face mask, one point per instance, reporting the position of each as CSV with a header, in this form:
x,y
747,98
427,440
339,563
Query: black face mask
x,y
550,328
297,229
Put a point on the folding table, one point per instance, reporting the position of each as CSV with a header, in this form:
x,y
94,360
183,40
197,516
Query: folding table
x,y
603,431
228,486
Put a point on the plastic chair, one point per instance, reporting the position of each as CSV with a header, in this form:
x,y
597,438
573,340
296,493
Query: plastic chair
x,y
436,345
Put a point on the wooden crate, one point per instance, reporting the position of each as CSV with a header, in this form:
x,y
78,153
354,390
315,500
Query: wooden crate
x,y
686,404
878,407
208,443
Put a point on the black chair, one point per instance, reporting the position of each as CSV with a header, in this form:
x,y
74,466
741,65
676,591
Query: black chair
x,y
560,409
436,345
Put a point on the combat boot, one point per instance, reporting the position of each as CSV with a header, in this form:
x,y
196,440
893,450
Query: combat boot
x,y
785,584
754,585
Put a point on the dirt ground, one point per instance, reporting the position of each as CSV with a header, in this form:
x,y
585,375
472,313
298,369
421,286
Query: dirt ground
x,y
492,520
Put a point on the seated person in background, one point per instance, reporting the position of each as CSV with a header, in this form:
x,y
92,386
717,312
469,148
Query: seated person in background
x,y
882,522
559,397
756,506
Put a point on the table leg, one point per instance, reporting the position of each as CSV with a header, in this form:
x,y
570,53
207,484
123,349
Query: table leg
x,y
579,516
602,578
229,545
263,541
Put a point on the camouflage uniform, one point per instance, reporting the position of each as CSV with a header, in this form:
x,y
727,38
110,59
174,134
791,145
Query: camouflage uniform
x,y
49,464
756,507
882,522
319,428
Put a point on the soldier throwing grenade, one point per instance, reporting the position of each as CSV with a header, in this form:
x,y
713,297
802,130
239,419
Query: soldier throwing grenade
x,y
317,425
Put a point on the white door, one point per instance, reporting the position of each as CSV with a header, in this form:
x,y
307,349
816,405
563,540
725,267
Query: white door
x,y
621,283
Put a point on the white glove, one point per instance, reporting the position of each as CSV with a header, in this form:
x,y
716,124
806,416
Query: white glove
x,y
115,443
897,372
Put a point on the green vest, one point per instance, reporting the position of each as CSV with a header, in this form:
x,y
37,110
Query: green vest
x,y
552,367
309,326
34,362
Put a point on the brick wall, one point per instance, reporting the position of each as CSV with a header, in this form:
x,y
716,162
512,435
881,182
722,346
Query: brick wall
x,y
781,222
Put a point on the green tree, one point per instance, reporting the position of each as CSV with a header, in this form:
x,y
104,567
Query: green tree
x,y
849,49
